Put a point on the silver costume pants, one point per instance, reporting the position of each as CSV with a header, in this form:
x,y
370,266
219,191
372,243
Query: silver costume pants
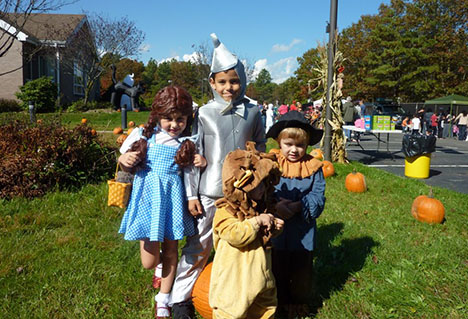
x,y
195,254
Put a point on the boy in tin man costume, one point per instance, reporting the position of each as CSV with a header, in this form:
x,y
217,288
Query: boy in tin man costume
x,y
223,125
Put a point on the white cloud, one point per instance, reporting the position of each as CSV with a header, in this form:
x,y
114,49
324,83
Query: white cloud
x,y
144,47
280,70
285,47
194,57
177,58
258,66
186,58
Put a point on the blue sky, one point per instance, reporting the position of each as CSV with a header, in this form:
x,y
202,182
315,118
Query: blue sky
x,y
268,34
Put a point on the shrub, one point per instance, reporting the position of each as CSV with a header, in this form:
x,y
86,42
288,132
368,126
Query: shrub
x,y
7,105
42,91
47,156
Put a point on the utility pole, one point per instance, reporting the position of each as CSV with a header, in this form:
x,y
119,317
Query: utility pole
x,y
331,29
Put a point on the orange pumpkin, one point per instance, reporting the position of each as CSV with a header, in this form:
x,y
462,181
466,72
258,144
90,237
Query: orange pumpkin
x,y
328,169
200,293
84,121
141,125
355,182
428,209
121,139
93,132
129,131
118,130
131,124
317,154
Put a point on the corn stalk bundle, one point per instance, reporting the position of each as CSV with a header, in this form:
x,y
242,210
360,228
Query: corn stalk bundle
x,y
338,149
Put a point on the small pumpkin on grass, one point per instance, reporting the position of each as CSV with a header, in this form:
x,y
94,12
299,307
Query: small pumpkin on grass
x,y
131,124
317,154
328,169
93,132
428,209
130,130
117,130
200,293
84,120
356,182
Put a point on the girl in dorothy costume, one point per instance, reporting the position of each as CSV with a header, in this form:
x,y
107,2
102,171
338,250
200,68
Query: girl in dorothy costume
x,y
157,213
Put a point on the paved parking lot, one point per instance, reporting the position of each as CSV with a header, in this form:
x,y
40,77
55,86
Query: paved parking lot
x,y
449,163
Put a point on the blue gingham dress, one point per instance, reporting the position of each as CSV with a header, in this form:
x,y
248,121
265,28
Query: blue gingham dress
x,y
157,208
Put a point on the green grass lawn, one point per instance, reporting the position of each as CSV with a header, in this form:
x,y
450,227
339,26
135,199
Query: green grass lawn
x,y
103,121
100,120
61,256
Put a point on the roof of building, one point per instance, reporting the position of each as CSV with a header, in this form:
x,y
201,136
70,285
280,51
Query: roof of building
x,y
46,26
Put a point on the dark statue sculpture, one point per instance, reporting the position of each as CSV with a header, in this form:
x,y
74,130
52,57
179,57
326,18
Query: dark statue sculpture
x,y
120,88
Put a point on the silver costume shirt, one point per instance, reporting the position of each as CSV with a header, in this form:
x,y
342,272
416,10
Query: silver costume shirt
x,y
223,133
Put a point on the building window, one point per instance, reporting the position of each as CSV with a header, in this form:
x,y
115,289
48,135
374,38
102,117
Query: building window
x,y
47,67
78,79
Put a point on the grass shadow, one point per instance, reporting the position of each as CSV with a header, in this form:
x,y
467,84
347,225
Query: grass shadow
x,y
334,264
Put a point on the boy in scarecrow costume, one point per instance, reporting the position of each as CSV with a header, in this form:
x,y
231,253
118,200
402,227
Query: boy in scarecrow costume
x,y
242,282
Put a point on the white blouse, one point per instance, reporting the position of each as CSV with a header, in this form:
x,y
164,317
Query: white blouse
x,y
162,137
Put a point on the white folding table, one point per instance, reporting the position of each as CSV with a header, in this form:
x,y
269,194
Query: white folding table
x,y
373,132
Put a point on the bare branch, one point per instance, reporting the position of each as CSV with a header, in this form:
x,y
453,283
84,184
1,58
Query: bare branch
x,y
116,37
17,12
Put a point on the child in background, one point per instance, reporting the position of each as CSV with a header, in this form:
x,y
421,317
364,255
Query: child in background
x,y
406,124
416,123
301,200
242,284
157,212
223,125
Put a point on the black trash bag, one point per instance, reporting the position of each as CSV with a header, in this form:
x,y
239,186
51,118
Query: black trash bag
x,y
416,144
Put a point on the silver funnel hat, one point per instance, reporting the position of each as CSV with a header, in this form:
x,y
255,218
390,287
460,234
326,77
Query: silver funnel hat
x,y
224,60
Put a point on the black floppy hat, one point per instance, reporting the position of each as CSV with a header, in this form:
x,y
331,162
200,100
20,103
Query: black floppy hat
x,y
295,119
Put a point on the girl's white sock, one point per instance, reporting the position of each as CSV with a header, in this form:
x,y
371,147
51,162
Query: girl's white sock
x,y
162,300
158,270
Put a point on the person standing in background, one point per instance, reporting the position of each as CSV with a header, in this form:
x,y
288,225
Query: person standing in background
x,y
349,112
462,121
434,124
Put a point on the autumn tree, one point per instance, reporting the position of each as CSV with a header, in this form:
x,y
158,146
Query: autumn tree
x,y
123,68
305,75
185,74
414,50
117,37
203,55
287,91
264,88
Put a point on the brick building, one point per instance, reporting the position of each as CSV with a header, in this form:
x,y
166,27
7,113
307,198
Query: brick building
x,y
45,45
